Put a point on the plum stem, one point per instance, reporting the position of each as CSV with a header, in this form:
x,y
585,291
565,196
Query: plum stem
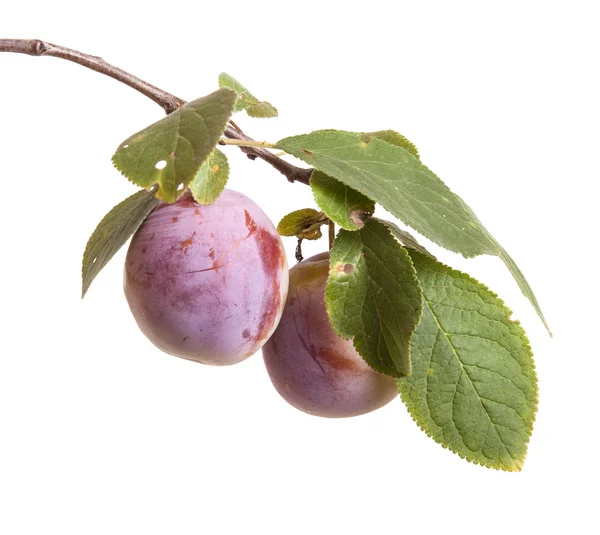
x,y
167,101
299,256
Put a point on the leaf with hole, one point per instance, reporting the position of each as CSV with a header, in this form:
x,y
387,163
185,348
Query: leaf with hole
x,y
342,204
170,152
246,101
394,178
373,296
305,223
116,227
473,387
211,179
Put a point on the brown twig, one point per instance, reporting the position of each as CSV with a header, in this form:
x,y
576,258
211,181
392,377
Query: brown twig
x,y
35,47
169,102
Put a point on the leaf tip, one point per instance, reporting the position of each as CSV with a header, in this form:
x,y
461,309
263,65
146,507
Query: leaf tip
x,y
518,465
232,94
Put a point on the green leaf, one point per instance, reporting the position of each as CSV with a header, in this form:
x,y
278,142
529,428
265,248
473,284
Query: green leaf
x,y
171,151
305,224
373,296
342,204
396,139
473,387
112,232
513,268
523,284
405,238
247,101
262,110
210,180
393,177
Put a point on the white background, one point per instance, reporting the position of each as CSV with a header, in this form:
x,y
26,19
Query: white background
x,y
101,433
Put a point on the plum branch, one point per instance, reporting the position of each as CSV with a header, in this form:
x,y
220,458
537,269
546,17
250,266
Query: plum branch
x,y
167,101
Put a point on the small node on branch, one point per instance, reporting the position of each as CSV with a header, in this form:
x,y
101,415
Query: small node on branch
x,y
39,48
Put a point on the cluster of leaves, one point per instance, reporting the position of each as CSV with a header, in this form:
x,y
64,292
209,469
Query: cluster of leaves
x,y
464,369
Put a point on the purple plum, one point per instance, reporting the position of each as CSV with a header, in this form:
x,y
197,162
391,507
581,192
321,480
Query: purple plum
x,y
207,283
313,368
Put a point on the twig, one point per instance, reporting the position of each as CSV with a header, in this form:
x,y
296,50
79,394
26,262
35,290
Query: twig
x,y
169,102
35,47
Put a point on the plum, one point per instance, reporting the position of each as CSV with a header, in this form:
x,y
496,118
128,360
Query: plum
x,y
207,283
313,368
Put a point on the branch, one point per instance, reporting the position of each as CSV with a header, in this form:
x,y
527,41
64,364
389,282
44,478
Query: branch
x,y
34,47
291,172
167,101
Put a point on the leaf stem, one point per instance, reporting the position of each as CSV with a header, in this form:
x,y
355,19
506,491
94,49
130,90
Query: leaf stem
x,y
247,143
167,101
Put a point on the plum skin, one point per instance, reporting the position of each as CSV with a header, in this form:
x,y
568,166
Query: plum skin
x,y
207,283
313,368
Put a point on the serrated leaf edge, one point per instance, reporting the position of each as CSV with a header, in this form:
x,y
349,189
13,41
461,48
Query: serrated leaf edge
x,y
241,104
496,249
527,344
271,111
412,148
88,244
361,223
405,237
485,245
206,163
179,193
315,213
419,312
